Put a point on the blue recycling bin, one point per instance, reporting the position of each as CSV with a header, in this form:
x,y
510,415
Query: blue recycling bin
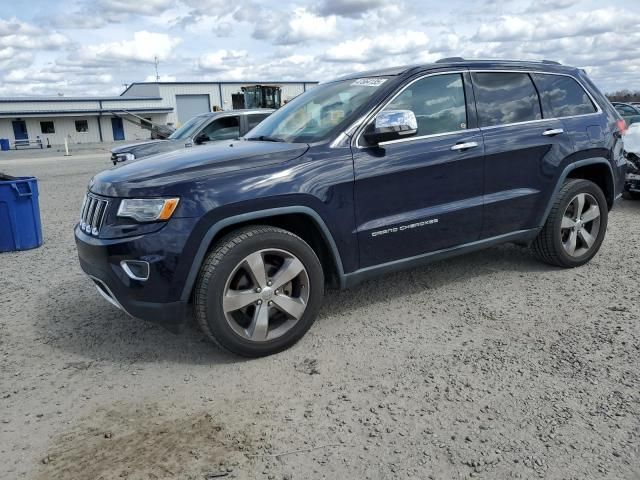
x,y
4,144
20,227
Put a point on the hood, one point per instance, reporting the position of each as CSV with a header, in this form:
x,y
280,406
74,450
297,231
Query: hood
x,y
154,176
149,147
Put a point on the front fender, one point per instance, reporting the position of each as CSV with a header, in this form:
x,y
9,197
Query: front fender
x,y
218,226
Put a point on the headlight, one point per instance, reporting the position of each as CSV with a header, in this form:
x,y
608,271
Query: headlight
x,y
123,157
147,209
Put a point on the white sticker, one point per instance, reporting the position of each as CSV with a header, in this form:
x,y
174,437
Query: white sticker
x,y
369,82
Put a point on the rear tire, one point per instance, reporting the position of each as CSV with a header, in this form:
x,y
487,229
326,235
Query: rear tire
x,y
258,291
575,227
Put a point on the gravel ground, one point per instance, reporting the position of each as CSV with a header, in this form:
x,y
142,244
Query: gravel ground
x,y
490,366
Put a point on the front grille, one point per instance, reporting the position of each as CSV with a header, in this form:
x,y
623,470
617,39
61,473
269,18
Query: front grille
x,y
92,214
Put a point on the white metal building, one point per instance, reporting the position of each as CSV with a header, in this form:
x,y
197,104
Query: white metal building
x,y
49,120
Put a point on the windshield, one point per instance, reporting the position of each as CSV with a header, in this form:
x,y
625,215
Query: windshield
x,y
312,115
188,129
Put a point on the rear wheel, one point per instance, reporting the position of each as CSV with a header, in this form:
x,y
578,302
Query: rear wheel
x,y
576,226
258,291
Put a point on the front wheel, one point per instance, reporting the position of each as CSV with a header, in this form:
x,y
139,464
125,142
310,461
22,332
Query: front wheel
x,y
258,291
576,225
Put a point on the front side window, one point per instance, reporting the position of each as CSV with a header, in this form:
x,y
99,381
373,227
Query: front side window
x,y
189,128
438,103
47,127
225,128
562,96
317,113
504,98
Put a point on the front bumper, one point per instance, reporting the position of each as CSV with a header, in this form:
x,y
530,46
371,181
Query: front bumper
x,y
155,300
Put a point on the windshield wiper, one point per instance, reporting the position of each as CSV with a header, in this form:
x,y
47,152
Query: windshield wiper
x,y
266,138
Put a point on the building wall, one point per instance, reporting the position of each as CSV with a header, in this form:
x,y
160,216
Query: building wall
x,y
65,127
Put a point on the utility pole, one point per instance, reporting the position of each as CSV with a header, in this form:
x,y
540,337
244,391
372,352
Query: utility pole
x,y
155,59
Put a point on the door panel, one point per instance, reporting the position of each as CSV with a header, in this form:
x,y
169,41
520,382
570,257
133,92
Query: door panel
x,y
418,196
422,194
117,128
521,173
20,130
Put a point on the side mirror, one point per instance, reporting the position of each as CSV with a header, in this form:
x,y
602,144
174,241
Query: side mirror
x,y
391,125
200,139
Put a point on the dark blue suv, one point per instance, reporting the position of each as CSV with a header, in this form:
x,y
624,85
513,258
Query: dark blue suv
x,y
364,175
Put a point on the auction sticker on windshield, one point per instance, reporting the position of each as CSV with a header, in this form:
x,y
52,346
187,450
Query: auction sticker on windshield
x,y
369,82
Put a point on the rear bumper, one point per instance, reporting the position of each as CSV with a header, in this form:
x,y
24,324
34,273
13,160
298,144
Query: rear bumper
x,y
151,300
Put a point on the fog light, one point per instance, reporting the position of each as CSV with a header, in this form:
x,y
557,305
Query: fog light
x,y
136,269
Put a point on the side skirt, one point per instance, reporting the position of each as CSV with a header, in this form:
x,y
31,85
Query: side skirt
x,y
349,280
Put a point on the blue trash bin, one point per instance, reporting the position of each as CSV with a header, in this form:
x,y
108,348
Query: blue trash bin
x,y
20,227
4,144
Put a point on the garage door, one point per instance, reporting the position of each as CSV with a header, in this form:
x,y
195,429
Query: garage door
x,y
189,106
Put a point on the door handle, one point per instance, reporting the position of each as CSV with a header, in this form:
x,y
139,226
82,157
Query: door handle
x,y
552,131
464,145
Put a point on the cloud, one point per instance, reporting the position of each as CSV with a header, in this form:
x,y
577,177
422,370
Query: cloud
x,y
365,50
23,35
144,47
548,26
348,8
221,60
302,25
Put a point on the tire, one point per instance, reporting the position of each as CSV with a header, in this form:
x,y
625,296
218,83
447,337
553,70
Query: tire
x,y
232,271
631,195
553,243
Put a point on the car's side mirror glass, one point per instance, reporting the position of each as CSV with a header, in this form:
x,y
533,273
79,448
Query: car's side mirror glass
x,y
391,125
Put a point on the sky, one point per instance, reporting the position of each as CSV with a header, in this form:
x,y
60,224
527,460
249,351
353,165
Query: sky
x,y
95,47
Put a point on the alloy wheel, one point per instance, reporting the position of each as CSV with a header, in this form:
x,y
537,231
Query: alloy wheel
x,y
266,295
580,225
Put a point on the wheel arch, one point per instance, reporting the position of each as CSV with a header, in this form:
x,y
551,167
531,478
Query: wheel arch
x,y
315,232
596,170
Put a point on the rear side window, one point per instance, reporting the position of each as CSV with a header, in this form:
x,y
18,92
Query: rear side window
x,y
562,96
438,102
504,98
255,119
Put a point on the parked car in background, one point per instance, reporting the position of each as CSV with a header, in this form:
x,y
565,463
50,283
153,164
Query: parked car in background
x,y
629,112
371,173
205,128
632,154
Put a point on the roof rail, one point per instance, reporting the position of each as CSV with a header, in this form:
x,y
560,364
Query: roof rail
x,y
450,60
551,62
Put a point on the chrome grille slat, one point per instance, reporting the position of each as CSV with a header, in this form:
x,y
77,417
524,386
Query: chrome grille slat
x,y
93,214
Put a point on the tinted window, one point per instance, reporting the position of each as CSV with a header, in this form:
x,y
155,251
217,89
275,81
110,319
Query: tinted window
x,y
505,98
47,127
253,120
438,103
625,110
562,96
226,128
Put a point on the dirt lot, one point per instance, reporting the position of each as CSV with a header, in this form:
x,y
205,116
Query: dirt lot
x,y
489,366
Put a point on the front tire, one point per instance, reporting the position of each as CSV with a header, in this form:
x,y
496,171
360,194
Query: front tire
x,y
258,291
575,227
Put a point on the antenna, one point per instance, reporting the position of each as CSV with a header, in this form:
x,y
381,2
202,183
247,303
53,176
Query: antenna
x,y
155,59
